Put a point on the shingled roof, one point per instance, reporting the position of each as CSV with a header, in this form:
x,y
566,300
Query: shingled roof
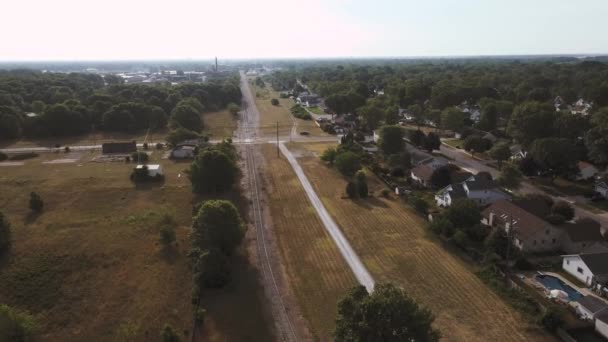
x,y
597,262
583,230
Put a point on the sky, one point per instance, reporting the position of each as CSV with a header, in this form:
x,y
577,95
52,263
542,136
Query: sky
x,y
200,29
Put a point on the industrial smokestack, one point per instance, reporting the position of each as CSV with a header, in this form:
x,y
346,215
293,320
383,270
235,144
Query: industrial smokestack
x,y
216,64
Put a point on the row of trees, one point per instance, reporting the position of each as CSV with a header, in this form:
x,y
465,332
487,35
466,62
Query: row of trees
x,y
74,104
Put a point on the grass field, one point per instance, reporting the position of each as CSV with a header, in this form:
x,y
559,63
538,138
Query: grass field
x,y
270,115
219,125
90,266
318,275
393,243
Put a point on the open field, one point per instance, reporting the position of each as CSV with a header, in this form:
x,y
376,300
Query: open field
x,y
393,243
270,115
90,266
318,275
219,125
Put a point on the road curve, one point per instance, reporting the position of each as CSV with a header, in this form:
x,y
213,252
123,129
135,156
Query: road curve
x,y
332,228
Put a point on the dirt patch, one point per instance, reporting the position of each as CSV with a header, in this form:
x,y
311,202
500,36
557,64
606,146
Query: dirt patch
x,y
11,163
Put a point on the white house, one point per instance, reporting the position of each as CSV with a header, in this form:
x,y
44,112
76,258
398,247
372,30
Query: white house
x,y
517,152
586,170
153,169
480,189
602,189
376,136
601,324
590,307
591,268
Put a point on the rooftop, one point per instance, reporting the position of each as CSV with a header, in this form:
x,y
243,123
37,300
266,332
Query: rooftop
x,y
597,262
592,304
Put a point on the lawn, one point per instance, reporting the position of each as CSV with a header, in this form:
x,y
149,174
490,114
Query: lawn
x,y
270,115
455,143
316,110
394,244
90,266
318,275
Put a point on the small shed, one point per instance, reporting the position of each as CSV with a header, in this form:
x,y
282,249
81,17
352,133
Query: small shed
x,y
183,152
153,169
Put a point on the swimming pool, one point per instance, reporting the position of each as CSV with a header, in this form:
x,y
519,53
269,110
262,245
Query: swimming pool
x,y
553,283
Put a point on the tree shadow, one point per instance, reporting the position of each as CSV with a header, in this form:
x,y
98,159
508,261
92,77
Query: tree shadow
x,y
31,217
169,254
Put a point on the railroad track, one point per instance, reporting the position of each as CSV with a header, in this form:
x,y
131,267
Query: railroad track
x,y
246,133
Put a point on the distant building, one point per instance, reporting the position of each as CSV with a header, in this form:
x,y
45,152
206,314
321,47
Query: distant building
x,y
183,152
119,147
601,188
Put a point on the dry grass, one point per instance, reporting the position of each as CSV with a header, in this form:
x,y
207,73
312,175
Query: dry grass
x,y
219,125
318,275
393,243
270,115
89,139
90,267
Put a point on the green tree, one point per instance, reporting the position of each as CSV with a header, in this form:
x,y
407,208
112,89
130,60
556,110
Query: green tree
x,y
329,155
500,153
371,114
140,157
212,171
563,209
475,143
36,203
348,163
351,190
489,117
551,319
387,314
463,213
531,121
391,140
417,113
443,226
5,234
181,134
442,176
510,177
361,181
416,137
168,334
555,155
453,119
274,102
419,204
211,268
596,139
217,224
431,142
186,116
233,108
10,123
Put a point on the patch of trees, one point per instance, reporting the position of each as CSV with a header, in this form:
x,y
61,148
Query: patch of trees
x,y
476,143
72,104
214,169
429,142
391,140
386,314
461,224
300,113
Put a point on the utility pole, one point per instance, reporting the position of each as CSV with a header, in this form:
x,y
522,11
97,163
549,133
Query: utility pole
x,y
277,139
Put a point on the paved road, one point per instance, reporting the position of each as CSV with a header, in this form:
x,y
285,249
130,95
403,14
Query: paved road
x,y
352,259
465,161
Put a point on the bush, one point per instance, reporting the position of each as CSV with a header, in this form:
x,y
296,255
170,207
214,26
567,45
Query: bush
x,y
140,157
351,190
551,319
274,102
211,268
461,239
159,146
145,146
3,156
300,113
564,209
348,163
200,315
419,204
36,202
167,234
361,181
442,226
66,149
329,155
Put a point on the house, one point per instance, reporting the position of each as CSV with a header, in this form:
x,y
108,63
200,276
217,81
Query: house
x,y
424,170
581,107
522,220
154,170
119,147
601,188
589,307
473,110
308,100
589,268
183,152
581,235
601,324
586,170
480,188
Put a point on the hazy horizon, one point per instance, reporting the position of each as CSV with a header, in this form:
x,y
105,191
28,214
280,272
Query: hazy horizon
x,y
137,30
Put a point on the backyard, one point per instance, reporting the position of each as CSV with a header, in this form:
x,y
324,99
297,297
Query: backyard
x,y
91,267
393,243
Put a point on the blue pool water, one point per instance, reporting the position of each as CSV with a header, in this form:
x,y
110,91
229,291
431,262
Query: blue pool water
x,y
553,283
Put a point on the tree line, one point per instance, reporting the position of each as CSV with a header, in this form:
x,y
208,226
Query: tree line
x,y
74,103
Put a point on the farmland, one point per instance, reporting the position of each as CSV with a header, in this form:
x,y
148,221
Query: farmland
x,y
91,267
318,275
394,245
270,115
